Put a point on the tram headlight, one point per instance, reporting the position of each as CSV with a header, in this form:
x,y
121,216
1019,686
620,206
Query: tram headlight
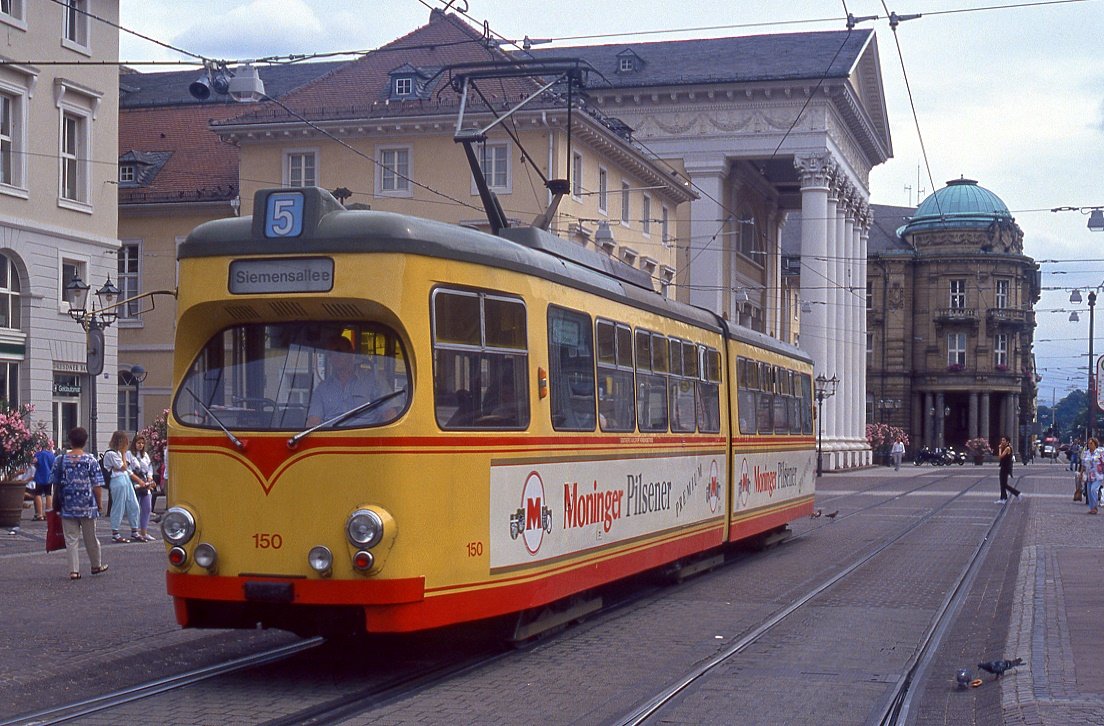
x,y
320,560
205,556
364,528
178,525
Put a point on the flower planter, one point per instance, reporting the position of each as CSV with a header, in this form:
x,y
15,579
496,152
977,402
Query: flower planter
x,y
11,503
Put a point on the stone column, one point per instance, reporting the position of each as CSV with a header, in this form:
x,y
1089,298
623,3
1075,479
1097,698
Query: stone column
x,y
940,420
985,415
929,419
815,171
705,269
973,417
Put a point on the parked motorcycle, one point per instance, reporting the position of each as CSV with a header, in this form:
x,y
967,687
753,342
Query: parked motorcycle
x,y
954,456
930,456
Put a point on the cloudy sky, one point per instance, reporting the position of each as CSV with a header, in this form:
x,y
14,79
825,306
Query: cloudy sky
x,y
1012,96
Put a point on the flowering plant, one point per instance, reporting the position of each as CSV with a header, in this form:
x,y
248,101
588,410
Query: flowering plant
x,y
18,440
979,446
156,438
879,435
955,367
1001,367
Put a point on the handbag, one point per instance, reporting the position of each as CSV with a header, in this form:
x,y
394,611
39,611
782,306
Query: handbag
x,y
55,538
1077,486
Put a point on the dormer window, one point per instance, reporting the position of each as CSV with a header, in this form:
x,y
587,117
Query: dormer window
x,y
403,86
126,174
625,64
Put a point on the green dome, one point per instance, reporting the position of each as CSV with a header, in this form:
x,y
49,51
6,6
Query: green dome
x,y
962,204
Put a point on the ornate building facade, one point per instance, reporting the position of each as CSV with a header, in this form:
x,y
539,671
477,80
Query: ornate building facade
x,y
950,319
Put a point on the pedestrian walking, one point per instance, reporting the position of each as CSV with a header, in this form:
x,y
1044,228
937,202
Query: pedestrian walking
x,y
77,483
44,466
123,498
141,478
1092,468
1004,453
897,451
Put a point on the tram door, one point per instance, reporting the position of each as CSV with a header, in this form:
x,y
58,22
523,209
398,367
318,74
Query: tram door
x,y
66,408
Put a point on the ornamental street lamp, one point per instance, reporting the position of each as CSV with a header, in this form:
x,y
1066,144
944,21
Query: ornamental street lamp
x,y
94,321
825,388
137,375
1075,297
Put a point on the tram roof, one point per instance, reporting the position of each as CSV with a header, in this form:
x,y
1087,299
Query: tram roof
x,y
331,229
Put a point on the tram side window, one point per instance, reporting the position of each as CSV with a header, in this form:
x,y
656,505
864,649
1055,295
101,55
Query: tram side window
x,y
651,381
480,361
781,402
747,397
709,401
684,371
571,370
806,384
616,404
765,411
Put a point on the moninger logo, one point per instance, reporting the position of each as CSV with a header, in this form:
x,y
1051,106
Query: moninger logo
x,y
745,484
713,490
533,519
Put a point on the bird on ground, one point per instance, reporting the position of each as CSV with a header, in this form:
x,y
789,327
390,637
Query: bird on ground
x,y
832,515
963,678
816,514
998,667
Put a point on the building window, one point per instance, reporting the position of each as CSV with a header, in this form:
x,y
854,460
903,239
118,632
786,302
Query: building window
x,y
394,171
126,174
956,350
665,226
576,174
603,190
625,203
958,294
404,86
869,344
10,300
1000,351
870,408
646,215
1003,287
11,139
128,402
746,232
9,383
75,31
625,64
12,10
74,157
495,162
69,269
300,169
869,294
128,280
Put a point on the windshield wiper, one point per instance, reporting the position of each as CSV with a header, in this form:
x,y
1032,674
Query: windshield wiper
x,y
367,406
234,439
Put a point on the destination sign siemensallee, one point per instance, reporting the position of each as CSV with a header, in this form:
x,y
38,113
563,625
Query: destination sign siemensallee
x,y
300,274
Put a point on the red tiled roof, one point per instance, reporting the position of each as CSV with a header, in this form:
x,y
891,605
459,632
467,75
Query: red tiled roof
x,y
201,166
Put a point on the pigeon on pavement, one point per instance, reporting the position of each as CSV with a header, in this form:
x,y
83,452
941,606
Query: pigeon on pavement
x,y
816,514
832,515
998,667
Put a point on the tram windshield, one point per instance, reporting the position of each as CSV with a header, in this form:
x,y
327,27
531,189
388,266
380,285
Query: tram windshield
x,y
295,375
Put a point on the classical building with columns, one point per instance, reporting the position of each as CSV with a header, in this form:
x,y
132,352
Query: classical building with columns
x,y
950,313
774,131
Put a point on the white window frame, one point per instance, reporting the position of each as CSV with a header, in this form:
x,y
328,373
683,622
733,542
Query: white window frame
x,y
492,151
402,86
626,64
626,202
130,316
17,140
957,292
79,159
403,186
603,190
128,173
646,216
956,348
576,175
665,225
291,155
12,299
81,264
76,26
1003,293
1000,349
16,15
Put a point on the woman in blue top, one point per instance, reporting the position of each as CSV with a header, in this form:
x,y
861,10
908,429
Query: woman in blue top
x,y
76,481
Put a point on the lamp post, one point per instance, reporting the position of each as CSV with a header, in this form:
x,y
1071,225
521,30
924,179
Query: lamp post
x,y
94,321
137,376
825,388
1075,297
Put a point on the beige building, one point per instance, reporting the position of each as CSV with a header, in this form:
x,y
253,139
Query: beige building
x,y
951,323
58,130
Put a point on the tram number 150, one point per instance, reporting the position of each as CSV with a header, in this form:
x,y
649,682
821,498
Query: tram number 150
x,y
475,549
268,541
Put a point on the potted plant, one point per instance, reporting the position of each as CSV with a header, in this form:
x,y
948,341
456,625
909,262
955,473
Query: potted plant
x,y
881,436
18,440
978,449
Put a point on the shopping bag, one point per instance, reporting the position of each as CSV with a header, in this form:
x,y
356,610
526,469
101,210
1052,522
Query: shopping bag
x,y
55,538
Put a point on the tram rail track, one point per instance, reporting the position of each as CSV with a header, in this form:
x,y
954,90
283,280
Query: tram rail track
x,y
895,706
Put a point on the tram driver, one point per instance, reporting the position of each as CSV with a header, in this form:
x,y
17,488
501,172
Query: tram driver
x,y
348,385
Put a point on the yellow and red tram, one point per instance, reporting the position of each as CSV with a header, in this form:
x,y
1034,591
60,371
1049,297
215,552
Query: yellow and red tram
x,y
385,424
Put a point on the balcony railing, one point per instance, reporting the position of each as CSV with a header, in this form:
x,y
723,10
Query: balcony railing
x,y
1011,316
956,315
